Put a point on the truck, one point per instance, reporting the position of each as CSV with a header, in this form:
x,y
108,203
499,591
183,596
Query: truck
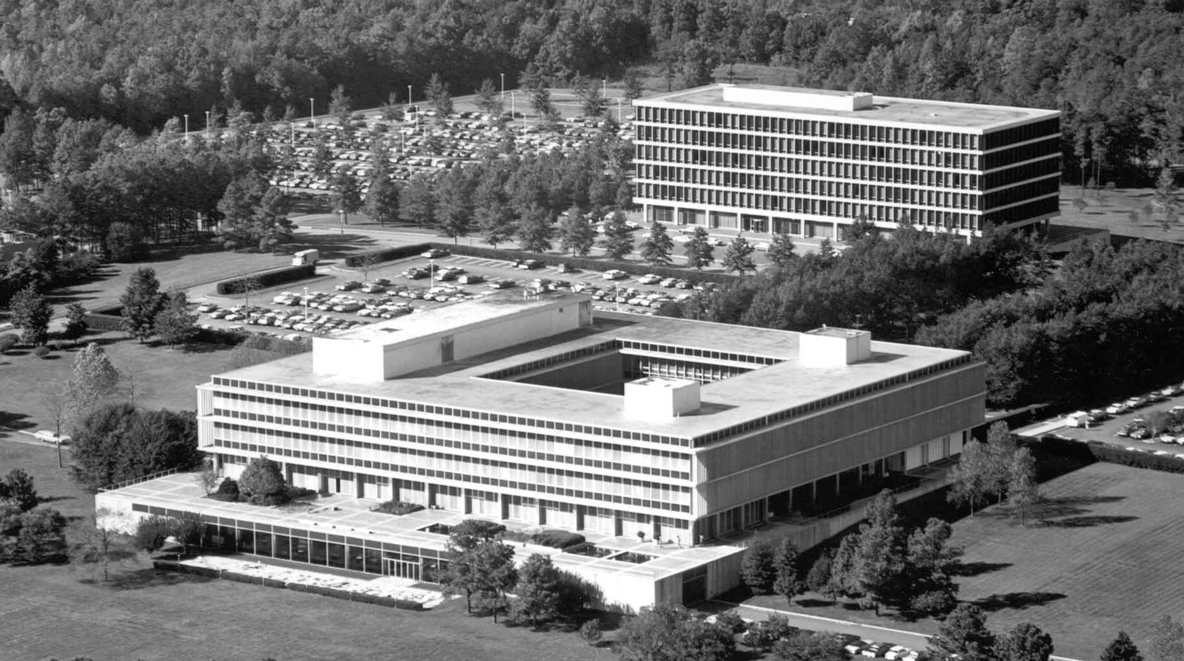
x,y
305,257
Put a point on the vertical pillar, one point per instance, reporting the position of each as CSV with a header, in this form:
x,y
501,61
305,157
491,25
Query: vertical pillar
x,y
431,495
503,503
838,483
541,512
395,489
359,485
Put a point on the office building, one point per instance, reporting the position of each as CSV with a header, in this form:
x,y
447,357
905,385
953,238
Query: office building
x,y
761,159
667,433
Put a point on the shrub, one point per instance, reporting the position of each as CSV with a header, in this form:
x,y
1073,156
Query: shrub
x,y
269,278
386,254
936,603
398,507
591,632
8,341
1097,451
559,539
105,320
263,483
41,351
295,493
227,491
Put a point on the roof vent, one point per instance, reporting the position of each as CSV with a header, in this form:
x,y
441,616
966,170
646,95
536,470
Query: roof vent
x,y
834,347
660,398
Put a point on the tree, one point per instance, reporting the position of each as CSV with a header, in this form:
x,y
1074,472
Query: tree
x,y
7,342
94,381
31,313
670,633
263,483
453,206
591,632
618,240
438,94
417,203
632,85
382,200
810,646
340,105
738,256
207,477
538,589
152,533
576,234
878,563
592,102
464,572
175,324
125,243
843,579
491,208
656,247
819,576
100,541
1022,489
758,569
785,562
487,98
1025,642
964,632
1000,453
929,588
118,442
141,302
76,324
42,536
1167,639
535,229
17,487
347,194
969,478
246,286
699,250
1122,648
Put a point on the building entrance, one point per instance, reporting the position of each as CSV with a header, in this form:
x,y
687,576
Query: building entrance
x,y
401,568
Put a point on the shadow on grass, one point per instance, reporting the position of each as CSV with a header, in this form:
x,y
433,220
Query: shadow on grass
x,y
42,500
813,603
1052,508
1088,521
206,347
336,246
140,579
1016,600
978,568
10,421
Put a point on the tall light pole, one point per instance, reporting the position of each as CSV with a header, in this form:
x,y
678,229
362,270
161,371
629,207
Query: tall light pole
x,y
431,274
503,86
513,99
305,299
312,111
408,96
187,125
618,110
207,124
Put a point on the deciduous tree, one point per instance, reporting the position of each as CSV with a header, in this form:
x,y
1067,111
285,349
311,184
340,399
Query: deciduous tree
x,y
263,483
347,193
1022,489
969,479
538,589
382,200
31,313
785,561
175,324
1122,648
1167,639
699,251
100,541
76,324
535,229
141,302
670,633
738,256
1025,642
964,632
94,380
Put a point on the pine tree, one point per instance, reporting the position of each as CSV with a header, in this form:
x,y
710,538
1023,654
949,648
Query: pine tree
x,y
781,251
382,200
657,246
576,234
417,203
263,482
699,250
1022,489
1025,642
31,313
538,588
487,98
175,324
347,194
76,324
738,256
1122,648
141,302
758,569
617,241
491,209
785,563
534,230
964,632
878,563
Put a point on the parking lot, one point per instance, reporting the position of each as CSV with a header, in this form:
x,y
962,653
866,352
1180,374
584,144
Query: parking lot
x,y
1137,424
344,299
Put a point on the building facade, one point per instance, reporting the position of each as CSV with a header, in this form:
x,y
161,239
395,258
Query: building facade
x,y
529,411
761,159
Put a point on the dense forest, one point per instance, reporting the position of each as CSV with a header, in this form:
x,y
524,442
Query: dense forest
x,y
1112,66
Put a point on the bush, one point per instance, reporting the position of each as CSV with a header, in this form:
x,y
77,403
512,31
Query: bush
x,y
296,493
397,507
558,539
387,254
269,278
8,341
41,351
105,320
227,491
1096,451
591,632
263,483
936,603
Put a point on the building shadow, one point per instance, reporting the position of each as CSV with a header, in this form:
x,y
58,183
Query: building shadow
x,y
140,579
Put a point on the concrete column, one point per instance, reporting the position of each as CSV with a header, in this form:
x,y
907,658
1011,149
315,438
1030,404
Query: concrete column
x,y
359,485
540,512
395,489
431,495
838,483
580,511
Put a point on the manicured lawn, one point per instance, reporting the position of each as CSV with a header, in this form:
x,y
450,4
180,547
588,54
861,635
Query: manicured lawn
x,y
1110,210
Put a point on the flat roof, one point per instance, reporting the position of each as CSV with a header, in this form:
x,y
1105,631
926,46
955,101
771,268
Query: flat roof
x,y
886,110
733,401
351,517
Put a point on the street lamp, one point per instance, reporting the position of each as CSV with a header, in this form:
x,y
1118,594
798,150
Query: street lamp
x,y
431,274
513,113
186,125
207,123
312,111
408,96
305,299
503,86
618,110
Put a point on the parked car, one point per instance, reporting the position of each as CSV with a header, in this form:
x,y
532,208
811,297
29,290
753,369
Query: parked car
x,y
615,274
501,284
50,437
1117,408
470,278
349,286
205,308
649,279
896,652
434,253
566,268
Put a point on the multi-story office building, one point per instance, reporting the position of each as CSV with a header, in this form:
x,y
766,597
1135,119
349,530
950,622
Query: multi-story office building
x,y
765,159
530,411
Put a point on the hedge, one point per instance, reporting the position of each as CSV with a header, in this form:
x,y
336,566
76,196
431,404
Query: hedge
x,y
585,263
269,278
105,319
1098,451
403,604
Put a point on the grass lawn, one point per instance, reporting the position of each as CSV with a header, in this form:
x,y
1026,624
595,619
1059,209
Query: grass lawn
x,y
1111,210
1099,556
163,378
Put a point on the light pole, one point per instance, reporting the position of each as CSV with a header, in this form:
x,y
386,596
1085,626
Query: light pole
x,y
513,113
431,274
618,110
408,96
312,111
503,86
207,124
305,299
186,125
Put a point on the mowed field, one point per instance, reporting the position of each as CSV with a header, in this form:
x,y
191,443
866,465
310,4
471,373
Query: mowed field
x,y
1101,554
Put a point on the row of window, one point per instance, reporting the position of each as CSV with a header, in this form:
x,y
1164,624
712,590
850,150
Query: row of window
x,y
1041,188
837,189
844,130
840,172
1046,207
895,213
653,150
433,409
655,464
541,479
360,422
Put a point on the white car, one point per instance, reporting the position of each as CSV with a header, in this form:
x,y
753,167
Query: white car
x,y
50,437
649,279
763,246
615,274
896,652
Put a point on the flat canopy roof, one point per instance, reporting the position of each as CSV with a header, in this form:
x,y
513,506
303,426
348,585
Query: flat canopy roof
x,y
886,110
725,403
